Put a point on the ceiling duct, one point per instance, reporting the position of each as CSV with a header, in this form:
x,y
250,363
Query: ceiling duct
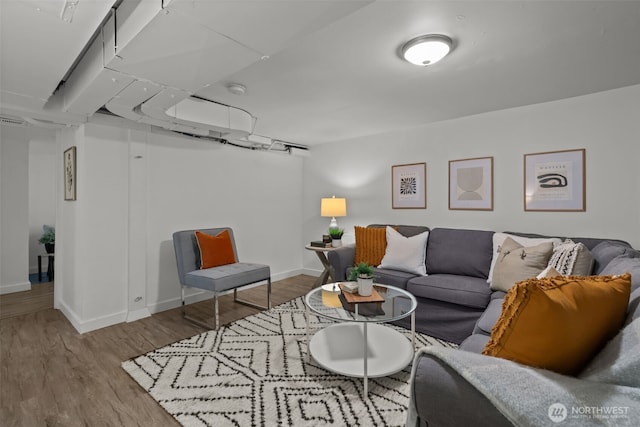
x,y
47,124
103,78
30,121
152,61
13,121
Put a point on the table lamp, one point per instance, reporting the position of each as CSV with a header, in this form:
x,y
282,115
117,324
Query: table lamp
x,y
333,207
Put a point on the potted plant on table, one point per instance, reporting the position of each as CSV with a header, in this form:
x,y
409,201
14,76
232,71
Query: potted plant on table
x,y
48,238
363,274
336,236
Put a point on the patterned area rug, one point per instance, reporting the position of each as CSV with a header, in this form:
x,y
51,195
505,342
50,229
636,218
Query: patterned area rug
x,y
254,372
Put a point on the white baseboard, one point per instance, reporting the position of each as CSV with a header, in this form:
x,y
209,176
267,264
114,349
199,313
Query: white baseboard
x,y
195,295
133,315
310,272
84,326
15,287
70,315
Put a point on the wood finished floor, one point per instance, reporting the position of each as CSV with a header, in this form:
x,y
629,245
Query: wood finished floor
x,y
39,298
50,375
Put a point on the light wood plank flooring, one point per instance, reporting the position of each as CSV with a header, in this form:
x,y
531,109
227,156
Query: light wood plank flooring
x,y
52,376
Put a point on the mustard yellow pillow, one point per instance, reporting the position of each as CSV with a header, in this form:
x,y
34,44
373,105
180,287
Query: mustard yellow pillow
x,y
371,243
215,250
559,323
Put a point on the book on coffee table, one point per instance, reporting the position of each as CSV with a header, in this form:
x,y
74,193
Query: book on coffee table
x,y
354,298
367,306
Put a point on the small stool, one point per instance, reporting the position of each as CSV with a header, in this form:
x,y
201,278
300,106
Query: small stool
x,y
49,267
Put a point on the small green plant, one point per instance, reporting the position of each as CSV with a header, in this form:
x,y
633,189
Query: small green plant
x,y
48,235
336,233
363,270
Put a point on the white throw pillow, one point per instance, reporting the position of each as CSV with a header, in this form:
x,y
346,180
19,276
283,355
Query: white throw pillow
x,y
499,238
572,259
405,253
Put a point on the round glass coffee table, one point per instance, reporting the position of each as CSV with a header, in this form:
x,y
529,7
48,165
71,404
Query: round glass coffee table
x,y
358,345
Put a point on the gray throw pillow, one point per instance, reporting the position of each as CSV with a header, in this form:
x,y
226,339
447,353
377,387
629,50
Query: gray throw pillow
x,y
605,251
626,263
516,263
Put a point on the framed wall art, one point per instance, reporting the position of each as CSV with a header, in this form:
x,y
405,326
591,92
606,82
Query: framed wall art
x,y
555,181
70,173
471,184
409,186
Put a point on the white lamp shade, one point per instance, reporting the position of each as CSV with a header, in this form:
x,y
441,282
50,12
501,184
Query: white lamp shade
x,y
426,50
333,207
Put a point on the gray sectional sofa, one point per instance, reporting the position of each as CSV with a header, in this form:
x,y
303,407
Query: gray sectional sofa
x,y
455,303
455,292
441,379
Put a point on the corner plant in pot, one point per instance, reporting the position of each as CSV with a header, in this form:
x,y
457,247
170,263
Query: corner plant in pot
x,y
336,236
48,238
363,274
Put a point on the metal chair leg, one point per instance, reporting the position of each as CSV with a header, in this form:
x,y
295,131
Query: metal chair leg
x,y
183,308
252,304
216,313
216,310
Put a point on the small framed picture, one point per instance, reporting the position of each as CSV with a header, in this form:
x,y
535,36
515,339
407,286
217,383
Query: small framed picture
x,y
471,184
555,181
70,173
409,186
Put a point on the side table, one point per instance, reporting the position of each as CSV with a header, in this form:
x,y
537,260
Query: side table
x,y
50,264
328,271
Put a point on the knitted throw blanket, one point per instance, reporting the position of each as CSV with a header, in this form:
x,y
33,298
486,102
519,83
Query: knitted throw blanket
x,y
606,394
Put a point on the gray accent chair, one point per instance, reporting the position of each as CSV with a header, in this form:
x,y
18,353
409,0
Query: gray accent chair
x,y
216,279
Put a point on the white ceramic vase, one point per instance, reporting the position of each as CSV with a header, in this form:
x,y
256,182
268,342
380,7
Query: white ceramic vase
x,y
365,286
336,243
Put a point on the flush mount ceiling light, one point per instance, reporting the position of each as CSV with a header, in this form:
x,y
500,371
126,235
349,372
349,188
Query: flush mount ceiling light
x,y
236,88
426,50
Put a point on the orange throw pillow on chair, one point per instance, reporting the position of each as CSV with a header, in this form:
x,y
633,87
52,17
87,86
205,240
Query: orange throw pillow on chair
x,y
215,250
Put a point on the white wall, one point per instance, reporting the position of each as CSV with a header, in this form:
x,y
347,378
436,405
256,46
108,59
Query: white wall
x,y
606,124
137,186
43,161
196,184
14,209
69,288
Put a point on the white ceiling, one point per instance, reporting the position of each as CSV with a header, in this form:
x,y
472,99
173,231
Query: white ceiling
x,y
332,71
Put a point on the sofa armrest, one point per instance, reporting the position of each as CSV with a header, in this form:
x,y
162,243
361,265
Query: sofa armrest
x,y
442,377
341,259
438,391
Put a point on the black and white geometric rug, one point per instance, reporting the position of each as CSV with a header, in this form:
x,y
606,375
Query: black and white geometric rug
x,y
254,372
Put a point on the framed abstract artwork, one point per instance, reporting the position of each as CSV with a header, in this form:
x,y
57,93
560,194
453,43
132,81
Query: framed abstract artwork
x,y
471,184
70,173
555,181
409,186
